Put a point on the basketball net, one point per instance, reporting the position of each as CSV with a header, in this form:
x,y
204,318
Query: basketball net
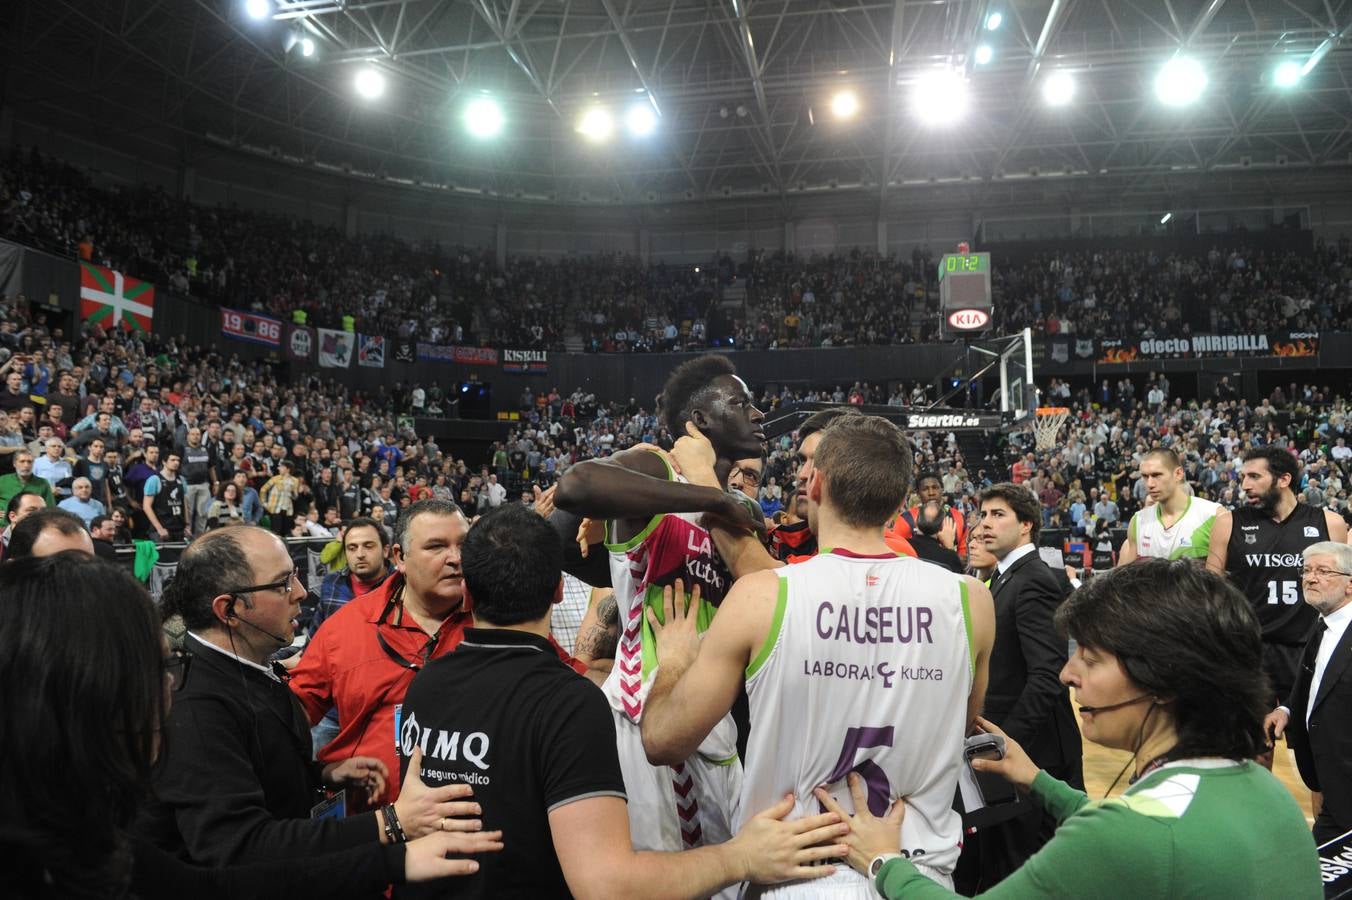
x,y
1047,425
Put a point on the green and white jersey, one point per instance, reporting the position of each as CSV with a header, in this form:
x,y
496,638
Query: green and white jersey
x,y
1188,538
867,668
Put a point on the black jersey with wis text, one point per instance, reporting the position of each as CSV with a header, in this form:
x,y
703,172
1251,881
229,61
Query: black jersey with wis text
x,y
506,716
1264,561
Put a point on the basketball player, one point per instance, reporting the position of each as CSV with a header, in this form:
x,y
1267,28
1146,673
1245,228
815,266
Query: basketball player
x,y
655,538
1176,525
856,660
930,489
1259,546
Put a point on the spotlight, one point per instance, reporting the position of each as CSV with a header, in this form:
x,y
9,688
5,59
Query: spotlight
x,y
307,47
845,104
1287,75
1180,82
641,120
1058,89
483,117
984,54
939,97
596,125
994,21
258,9
369,83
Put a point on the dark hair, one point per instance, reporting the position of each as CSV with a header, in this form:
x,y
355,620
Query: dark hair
x,y
931,519
1020,500
866,462
512,561
13,505
1166,456
80,684
822,418
98,520
429,507
1189,637
209,564
368,522
25,534
686,385
1279,462
928,475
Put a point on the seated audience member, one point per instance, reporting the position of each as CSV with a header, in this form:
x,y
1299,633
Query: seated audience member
x,y
103,530
82,502
85,678
1170,658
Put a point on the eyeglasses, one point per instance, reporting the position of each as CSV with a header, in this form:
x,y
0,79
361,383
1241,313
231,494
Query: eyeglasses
x,y
284,585
1322,573
176,666
750,477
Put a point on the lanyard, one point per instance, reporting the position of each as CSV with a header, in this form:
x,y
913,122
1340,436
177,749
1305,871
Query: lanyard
x,y
428,649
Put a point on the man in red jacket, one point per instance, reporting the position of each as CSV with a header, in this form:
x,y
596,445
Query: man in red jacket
x,y
363,658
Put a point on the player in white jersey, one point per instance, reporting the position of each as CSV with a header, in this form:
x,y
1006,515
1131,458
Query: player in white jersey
x,y
655,537
854,661
1176,525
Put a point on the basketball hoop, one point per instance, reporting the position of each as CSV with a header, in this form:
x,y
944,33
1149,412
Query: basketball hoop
x,y
1047,425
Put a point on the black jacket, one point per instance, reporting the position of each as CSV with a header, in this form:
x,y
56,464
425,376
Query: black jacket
x,y
1324,749
1026,697
236,779
930,550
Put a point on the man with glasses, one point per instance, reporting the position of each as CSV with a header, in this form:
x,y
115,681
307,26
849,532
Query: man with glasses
x,y
236,781
1259,545
1317,716
364,656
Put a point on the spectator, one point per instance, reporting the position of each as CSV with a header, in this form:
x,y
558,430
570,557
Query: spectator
x,y
47,532
81,502
22,480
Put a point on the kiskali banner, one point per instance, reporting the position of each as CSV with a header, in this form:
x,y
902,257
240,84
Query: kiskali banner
x,y
113,300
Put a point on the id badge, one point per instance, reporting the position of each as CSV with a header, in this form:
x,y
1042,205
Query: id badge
x,y
333,808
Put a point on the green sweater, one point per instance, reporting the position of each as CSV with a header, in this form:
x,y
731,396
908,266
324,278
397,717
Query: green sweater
x,y
11,486
1196,828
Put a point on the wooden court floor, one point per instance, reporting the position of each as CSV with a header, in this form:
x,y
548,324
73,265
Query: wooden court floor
x,y
1101,766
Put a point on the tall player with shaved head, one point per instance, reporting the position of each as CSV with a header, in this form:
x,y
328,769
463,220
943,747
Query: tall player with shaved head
x,y
656,537
1176,525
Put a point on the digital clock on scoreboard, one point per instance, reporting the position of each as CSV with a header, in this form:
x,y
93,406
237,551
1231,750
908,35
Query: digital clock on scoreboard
x,y
965,293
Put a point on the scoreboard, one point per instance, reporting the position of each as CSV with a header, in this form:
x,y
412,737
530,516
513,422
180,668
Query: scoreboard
x,y
965,294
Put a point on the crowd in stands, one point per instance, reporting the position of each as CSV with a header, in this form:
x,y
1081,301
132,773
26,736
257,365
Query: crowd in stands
x,y
613,303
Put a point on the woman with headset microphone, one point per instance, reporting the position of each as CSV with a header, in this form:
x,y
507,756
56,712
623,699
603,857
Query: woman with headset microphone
x,y
1168,666
86,683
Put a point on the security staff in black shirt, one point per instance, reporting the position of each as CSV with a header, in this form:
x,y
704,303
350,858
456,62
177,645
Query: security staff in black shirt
x,y
537,742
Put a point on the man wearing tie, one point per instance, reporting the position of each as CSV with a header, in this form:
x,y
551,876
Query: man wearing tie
x,y
1026,697
1317,719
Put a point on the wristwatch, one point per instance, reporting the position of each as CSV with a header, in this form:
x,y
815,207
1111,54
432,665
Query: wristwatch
x,y
879,861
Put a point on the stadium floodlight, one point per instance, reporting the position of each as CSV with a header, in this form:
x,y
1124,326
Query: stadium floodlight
x,y
845,104
994,21
483,117
984,54
1287,74
1180,82
258,9
369,83
940,97
1164,220
307,47
1058,89
596,125
641,120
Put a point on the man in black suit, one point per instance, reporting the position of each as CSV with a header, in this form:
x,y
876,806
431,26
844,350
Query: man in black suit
x,y
1026,697
934,537
1317,718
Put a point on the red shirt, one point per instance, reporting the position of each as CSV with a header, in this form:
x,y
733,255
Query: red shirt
x,y
345,666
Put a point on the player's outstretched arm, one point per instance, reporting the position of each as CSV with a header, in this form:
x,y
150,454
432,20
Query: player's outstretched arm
x,y
1218,552
697,679
1127,553
1337,526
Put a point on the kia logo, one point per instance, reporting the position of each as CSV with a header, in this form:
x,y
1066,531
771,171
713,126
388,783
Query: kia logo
x,y
969,319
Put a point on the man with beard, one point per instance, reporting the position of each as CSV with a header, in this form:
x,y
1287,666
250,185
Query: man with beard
x,y
656,537
1259,546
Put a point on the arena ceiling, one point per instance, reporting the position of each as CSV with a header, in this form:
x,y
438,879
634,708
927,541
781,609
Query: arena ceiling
x,y
742,89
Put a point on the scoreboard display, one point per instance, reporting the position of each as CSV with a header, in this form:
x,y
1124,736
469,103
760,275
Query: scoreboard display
x,y
965,293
